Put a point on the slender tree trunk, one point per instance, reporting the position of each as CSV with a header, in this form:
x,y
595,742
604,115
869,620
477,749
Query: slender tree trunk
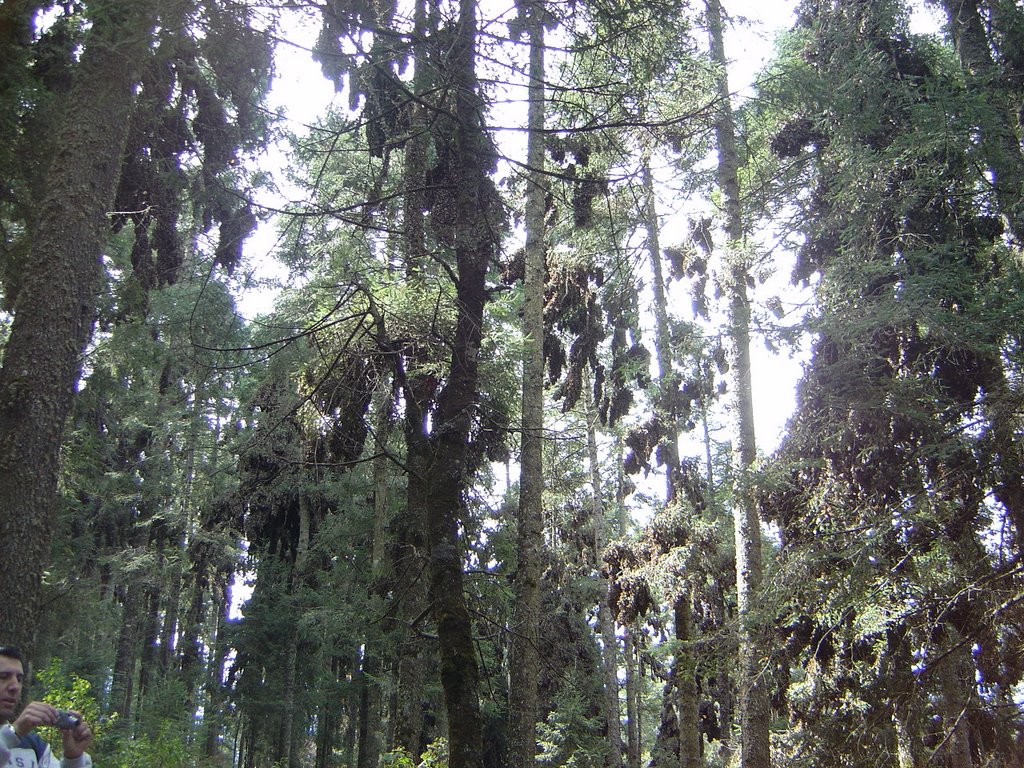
x,y
605,620
149,617
409,562
369,713
286,730
411,576
57,303
370,747
191,643
349,740
755,749
213,718
412,661
629,651
285,751
166,600
687,703
190,648
127,654
633,724
524,662
905,699
690,744
668,381
329,718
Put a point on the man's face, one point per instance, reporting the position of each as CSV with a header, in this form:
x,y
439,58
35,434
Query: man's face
x,y
12,675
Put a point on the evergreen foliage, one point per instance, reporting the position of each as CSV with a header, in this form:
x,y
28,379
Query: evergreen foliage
x,y
289,540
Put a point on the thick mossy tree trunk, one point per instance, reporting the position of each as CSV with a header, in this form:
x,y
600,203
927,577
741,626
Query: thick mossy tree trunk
x,y
438,446
56,306
476,232
524,661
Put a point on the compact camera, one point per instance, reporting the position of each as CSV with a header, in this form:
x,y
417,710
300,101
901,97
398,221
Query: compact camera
x,y
67,720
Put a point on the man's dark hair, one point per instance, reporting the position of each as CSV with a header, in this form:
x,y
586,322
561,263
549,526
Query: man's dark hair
x,y
12,652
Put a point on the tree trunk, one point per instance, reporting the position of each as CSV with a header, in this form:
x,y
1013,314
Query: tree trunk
x,y
410,568
126,657
755,751
150,615
690,744
687,703
56,306
605,620
629,651
998,128
633,724
330,714
213,718
906,705
409,562
283,751
370,746
668,382
524,661
191,643
369,713
287,752
957,687
168,597
476,230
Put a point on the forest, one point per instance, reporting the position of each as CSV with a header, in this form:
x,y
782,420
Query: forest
x,y
479,484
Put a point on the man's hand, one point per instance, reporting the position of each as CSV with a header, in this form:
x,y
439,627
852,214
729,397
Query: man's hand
x,y
40,713
76,739
33,715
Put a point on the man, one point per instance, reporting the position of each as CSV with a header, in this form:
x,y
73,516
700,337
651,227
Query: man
x,y
19,746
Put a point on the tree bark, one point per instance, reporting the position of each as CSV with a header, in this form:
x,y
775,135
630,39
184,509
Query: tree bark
x,y
213,719
906,705
475,242
56,306
368,753
524,661
605,620
755,750
957,691
122,686
998,128
668,382
629,651
633,724
409,561
687,703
